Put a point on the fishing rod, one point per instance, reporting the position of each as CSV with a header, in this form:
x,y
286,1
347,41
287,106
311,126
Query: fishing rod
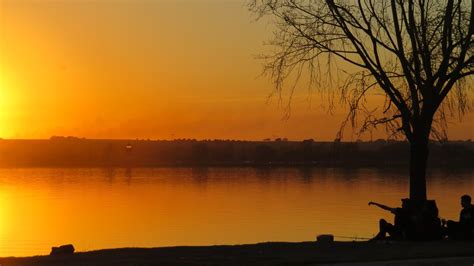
x,y
353,237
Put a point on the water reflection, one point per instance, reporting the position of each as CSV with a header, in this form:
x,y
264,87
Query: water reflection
x,y
106,208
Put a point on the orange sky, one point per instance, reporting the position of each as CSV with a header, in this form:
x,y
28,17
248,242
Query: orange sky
x,y
157,69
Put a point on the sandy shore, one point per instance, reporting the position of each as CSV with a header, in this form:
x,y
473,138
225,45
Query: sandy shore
x,y
305,253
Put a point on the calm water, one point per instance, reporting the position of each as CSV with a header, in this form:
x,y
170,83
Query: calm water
x,y
107,208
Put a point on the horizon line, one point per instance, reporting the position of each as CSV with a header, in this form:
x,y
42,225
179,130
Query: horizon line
x,y
52,138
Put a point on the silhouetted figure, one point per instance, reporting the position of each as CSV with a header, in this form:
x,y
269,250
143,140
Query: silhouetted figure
x,y
396,231
464,229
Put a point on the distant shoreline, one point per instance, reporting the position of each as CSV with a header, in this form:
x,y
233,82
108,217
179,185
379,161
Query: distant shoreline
x,y
388,167
75,152
278,253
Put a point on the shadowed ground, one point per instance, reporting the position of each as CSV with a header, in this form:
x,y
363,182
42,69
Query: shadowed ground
x,y
305,253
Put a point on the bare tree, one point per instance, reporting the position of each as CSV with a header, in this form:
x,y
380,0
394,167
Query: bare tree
x,y
417,53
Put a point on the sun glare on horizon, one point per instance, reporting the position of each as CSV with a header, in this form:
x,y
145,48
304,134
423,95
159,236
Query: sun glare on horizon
x,y
2,103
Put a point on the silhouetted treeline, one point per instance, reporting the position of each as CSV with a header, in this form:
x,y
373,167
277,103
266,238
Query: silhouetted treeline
x,y
75,152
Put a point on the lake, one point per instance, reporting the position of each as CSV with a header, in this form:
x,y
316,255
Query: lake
x,y
109,208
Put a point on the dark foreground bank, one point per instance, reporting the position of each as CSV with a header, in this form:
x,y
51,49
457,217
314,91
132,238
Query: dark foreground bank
x,y
306,253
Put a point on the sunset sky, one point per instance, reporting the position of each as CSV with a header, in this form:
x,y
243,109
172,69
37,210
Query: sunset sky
x,y
158,69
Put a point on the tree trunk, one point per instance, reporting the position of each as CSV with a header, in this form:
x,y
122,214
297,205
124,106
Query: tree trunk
x,y
418,163
424,223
